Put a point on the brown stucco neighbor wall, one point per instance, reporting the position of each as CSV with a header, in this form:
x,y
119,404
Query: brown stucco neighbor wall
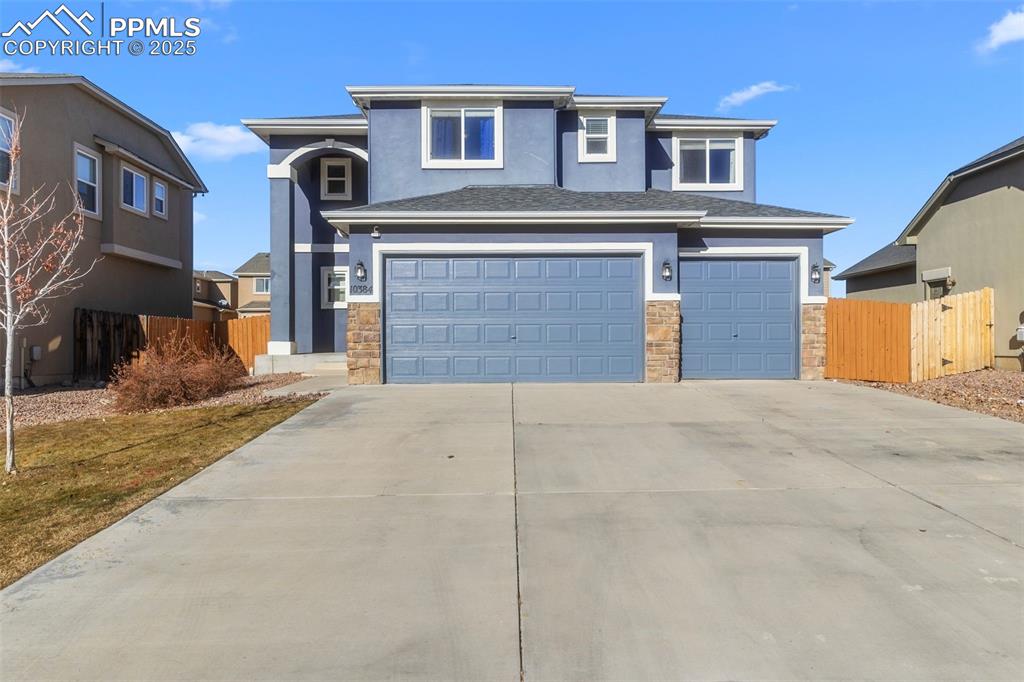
x,y
812,341
364,343
662,347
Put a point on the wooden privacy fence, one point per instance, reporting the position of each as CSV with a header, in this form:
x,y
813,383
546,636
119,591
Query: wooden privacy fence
x,y
104,339
908,342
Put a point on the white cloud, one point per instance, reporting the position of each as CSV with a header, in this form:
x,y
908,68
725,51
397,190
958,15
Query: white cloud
x,y
215,142
1009,29
198,216
741,97
8,66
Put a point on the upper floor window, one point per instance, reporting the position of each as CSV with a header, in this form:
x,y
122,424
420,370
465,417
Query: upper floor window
x,y
336,179
596,138
333,286
707,163
160,198
8,173
462,136
134,190
87,180
261,285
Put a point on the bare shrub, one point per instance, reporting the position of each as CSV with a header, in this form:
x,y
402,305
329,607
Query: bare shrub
x,y
174,371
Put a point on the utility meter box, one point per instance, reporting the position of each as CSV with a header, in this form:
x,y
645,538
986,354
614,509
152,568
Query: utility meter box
x,y
1020,333
35,353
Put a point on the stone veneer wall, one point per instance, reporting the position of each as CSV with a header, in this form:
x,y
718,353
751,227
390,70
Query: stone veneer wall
x,y
812,341
364,343
662,347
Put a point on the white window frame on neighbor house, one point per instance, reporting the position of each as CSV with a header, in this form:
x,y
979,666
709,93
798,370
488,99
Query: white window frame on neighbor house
x,y
9,115
163,185
707,139
144,211
582,136
426,110
325,275
256,287
326,163
81,150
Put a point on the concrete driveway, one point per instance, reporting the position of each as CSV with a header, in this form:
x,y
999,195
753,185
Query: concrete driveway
x,y
708,530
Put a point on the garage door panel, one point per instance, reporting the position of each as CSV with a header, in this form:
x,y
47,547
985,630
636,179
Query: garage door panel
x,y
548,318
739,318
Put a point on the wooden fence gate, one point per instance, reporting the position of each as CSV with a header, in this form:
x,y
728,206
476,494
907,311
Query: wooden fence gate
x,y
908,342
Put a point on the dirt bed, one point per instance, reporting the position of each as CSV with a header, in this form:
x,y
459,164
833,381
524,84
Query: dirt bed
x,y
57,404
990,391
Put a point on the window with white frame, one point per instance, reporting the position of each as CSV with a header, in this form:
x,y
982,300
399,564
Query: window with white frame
x,y
707,163
333,286
462,136
134,190
261,285
596,138
336,179
88,172
8,172
160,198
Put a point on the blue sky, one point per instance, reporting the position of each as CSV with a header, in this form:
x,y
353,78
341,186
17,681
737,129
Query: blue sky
x,y
876,101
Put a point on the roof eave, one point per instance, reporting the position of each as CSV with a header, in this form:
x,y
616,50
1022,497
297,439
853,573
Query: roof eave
x,y
362,95
760,128
350,217
847,274
265,127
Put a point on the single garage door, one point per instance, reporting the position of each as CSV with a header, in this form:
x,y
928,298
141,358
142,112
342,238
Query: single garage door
x,y
487,319
739,318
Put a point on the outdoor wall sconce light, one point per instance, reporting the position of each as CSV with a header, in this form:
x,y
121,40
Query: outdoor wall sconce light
x,y
375,233
360,271
666,271
815,274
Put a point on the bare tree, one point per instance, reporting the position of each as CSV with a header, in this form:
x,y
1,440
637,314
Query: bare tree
x,y
37,260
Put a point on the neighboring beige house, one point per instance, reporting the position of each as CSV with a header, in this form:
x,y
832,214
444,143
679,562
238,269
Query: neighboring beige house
x,y
969,235
254,286
214,295
136,188
827,267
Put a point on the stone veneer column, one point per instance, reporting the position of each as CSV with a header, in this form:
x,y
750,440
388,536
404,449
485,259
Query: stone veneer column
x,y
812,341
662,347
364,343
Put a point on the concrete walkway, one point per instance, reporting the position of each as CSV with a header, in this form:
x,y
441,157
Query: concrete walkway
x,y
708,530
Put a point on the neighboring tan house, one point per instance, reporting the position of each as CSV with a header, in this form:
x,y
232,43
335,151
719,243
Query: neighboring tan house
x,y
827,267
485,233
254,286
214,295
136,188
968,235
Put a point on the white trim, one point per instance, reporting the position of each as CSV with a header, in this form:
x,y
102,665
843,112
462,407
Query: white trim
x,y
301,247
825,224
759,127
426,108
284,169
263,128
256,291
15,179
144,211
937,274
166,199
325,163
98,158
734,186
143,256
644,249
347,217
362,95
802,253
582,156
649,105
275,172
280,348
325,303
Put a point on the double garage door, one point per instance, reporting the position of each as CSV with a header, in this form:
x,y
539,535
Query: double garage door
x,y
581,318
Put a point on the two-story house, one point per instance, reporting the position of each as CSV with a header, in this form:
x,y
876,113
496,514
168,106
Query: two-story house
x,y
135,187
214,296
529,233
254,285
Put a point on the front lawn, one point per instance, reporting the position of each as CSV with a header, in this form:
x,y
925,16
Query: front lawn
x,y
78,477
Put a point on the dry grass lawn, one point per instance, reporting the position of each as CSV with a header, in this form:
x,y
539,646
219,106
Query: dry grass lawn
x,y
78,477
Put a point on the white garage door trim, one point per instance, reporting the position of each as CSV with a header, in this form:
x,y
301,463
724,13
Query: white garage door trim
x,y
646,249
801,252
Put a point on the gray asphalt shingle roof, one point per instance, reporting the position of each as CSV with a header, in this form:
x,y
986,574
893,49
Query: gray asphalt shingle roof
x,y
888,257
254,306
480,198
1007,148
257,265
212,275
